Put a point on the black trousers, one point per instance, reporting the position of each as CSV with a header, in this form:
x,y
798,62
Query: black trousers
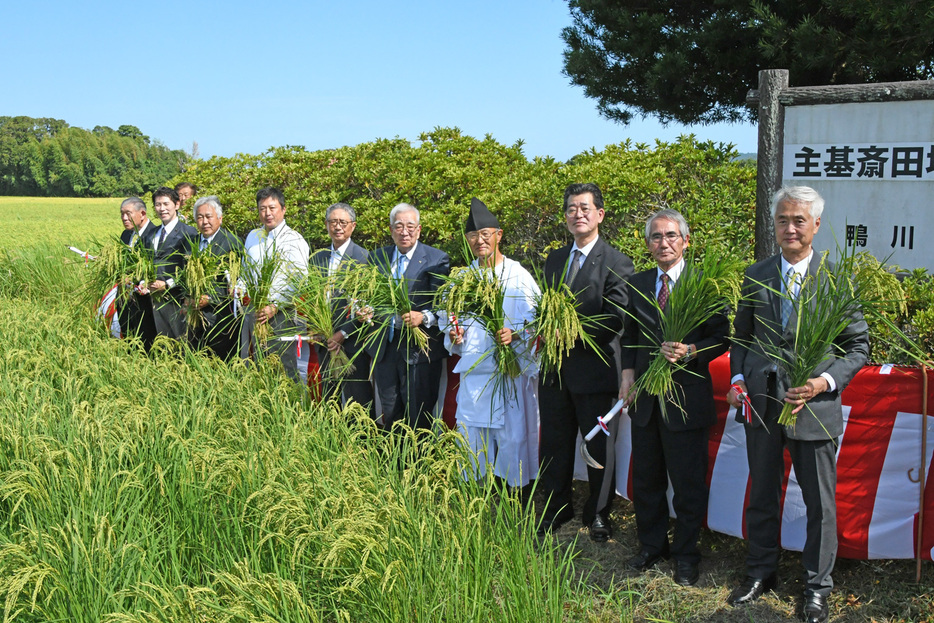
x,y
660,454
562,415
355,385
407,391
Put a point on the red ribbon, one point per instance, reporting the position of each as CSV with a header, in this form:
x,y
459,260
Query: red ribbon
x,y
298,348
747,404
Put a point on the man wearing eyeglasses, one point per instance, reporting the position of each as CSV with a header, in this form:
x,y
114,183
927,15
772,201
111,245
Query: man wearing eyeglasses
x,y
498,414
406,377
341,220
672,447
587,385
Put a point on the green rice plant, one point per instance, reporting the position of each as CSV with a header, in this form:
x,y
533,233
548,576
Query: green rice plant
x,y
381,298
558,326
703,289
40,271
259,278
174,486
826,303
117,264
199,278
477,291
313,301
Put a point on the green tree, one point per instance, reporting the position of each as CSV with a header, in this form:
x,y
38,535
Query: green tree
x,y
693,61
48,157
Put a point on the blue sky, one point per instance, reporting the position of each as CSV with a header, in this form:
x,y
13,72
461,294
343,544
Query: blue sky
x,y
245,76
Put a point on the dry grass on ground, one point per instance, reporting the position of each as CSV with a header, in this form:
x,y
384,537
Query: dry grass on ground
x,y
866,590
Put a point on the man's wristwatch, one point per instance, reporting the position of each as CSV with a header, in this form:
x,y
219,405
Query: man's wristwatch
x,y
691,351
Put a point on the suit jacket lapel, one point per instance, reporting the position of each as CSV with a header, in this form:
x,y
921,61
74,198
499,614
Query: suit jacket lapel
x,y
584,277
774,281
645,284
415,267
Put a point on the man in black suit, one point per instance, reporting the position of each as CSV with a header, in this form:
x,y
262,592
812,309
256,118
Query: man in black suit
x,y
587,385
341,220
673,445
764,316
407,378
137,229
219,330
170,243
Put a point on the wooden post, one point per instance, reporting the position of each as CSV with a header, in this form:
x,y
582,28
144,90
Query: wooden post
x,y
769,158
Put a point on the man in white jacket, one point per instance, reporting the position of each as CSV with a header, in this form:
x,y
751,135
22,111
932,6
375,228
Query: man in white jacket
x,y
498,415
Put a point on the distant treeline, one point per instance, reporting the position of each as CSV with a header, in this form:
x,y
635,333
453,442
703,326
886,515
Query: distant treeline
x,y
47,157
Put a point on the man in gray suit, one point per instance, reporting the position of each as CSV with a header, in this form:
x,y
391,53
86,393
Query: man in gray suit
x,y
812,441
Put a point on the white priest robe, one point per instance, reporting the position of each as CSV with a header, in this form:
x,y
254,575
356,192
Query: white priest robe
x,y
500,424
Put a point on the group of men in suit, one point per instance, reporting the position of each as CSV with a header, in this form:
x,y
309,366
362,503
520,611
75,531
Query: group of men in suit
x,y
593,376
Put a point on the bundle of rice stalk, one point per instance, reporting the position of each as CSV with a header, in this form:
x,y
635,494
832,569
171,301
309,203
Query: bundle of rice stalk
x,y
258,277
557,325
825,306
703,290
118,264
199,277
313,298
478,292
382,298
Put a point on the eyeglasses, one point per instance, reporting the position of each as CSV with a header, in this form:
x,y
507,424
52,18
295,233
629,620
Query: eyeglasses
x,y
400,227
670,236
583,210
483,234
334,222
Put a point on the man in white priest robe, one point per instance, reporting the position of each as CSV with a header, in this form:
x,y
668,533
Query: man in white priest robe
x,y
497,415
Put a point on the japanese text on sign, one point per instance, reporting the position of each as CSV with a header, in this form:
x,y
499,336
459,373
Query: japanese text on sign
x,y
861,161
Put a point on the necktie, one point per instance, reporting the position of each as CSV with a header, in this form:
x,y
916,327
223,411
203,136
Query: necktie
x,y
663,292
791,278
204,244
133,239
161,238
401,264
335,262
575,266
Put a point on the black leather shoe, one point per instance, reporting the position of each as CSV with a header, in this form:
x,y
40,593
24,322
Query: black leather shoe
x,y
686,573
751,589
551,524
600,530
645,560
815,607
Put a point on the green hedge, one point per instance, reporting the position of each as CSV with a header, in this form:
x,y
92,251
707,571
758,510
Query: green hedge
x,y
445,168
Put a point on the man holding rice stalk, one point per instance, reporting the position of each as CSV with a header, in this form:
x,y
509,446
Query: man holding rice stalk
x,y
782,294
586,383
341,220
497,398
170,243
403,335
676,326
137,230
276,258
212,324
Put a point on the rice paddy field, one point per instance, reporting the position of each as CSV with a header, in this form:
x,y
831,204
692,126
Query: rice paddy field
x,y
173,487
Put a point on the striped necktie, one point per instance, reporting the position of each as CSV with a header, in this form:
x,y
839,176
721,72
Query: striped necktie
x,y
663,292
791,279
